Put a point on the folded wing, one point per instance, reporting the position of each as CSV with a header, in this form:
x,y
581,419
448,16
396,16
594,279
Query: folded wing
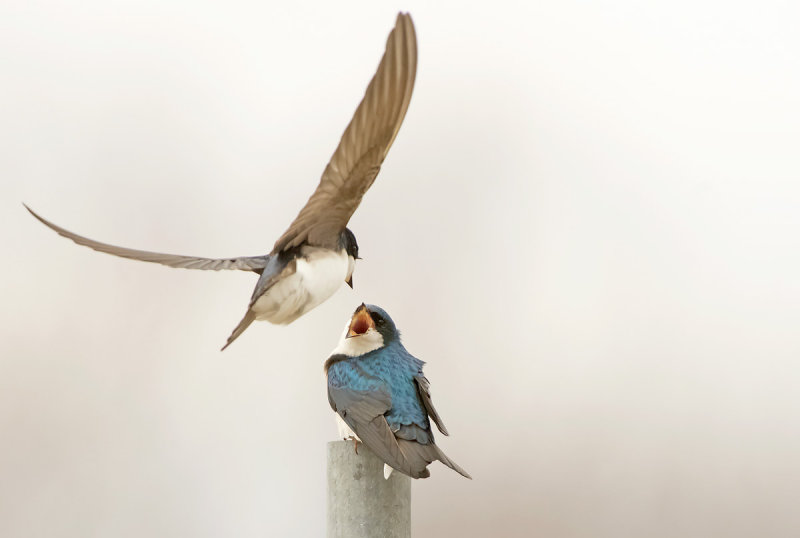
x,y
363,411
424,391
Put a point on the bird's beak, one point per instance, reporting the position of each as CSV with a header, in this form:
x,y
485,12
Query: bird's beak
x,y
361,322
349,282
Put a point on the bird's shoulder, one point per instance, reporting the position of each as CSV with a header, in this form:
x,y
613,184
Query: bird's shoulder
x,y
396,359
336,364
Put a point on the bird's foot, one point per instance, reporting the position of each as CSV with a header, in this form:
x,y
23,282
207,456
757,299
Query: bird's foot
x,y
355,441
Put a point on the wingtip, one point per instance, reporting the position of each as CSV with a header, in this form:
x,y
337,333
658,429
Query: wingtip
x,y
404,19
37,216
41,219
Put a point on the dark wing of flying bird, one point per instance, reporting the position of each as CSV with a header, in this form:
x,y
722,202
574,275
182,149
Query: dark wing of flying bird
x,y
252,263
363,146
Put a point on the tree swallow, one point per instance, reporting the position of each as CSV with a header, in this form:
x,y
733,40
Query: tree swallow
x,y
381,396
317,252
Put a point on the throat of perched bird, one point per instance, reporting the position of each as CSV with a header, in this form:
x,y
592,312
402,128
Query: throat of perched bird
x,y
354,346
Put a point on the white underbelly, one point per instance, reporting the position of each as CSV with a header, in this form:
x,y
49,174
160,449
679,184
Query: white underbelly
x,y
317,277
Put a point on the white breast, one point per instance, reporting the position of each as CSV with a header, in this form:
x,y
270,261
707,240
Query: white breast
x,y
319,274
355,346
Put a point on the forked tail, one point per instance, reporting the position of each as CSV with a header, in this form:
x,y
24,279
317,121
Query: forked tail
x,y
245,323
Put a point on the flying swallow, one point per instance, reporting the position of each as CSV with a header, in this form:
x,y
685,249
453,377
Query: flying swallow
x,y
381,396
317,252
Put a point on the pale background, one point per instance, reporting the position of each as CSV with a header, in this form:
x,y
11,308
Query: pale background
x,y
588,226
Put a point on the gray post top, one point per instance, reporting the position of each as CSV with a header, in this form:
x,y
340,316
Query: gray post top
x,y
361,503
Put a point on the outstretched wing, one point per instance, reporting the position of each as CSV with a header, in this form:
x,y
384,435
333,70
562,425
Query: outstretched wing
x,y
363,146
254,263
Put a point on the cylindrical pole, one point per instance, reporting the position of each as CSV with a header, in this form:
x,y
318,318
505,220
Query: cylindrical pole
x,y
361,503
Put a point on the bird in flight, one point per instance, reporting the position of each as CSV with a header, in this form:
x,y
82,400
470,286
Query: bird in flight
x,y
317,252
381,396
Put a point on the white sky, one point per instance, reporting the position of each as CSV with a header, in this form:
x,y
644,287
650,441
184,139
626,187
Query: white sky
x,y
587,226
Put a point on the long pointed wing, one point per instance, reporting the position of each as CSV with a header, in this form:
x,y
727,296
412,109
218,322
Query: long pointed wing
x,y
363,146
424,391
255,263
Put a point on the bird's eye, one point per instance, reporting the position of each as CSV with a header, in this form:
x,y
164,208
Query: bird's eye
x,y
377,319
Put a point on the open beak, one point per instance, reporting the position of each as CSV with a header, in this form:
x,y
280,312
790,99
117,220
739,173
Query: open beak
x,y
361,322
349,282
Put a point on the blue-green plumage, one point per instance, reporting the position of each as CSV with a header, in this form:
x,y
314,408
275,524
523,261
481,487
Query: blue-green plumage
x,y
395,369
379,390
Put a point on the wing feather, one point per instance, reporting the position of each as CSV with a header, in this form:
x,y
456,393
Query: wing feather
x,y
424,390
363,147
253,263
363,411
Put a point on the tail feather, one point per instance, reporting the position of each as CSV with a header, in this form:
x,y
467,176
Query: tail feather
x,y
450,463
418,456
248,318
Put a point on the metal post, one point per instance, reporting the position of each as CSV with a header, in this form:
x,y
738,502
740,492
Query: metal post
x,y
361,503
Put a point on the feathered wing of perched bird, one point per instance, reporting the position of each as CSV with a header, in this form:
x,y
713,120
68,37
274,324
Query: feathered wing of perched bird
x,y
378,390
312,258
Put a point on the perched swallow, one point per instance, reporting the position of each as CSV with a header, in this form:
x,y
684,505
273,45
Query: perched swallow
x,y
381,396
317,252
